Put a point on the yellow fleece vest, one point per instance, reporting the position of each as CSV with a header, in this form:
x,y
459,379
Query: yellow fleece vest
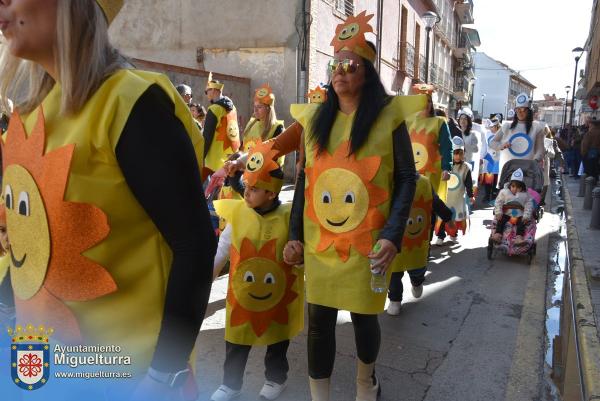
x,y
415,243
112,290
265,297
347,204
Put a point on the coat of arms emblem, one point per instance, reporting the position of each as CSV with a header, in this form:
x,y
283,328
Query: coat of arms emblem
x,y
30,356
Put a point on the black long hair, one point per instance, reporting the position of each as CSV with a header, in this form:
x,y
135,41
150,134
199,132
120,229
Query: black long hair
x,y
528,120
373,99
469,125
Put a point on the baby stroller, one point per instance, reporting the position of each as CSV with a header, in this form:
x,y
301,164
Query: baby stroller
x,y
534,180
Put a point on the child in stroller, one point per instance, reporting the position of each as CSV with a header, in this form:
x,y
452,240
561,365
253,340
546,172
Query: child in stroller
x,y
515,238
514,205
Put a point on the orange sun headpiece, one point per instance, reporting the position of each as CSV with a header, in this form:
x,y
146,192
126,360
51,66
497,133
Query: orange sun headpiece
x,y
343,201
426,156
260,288
262,170
418,225
317,95
350,35
213,83
264,95
48,234
422,89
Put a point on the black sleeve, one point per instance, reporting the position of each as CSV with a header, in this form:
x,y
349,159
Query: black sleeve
x,y
440,209
278,131
404,187
162,172
236,183
210,125
469,184
296,231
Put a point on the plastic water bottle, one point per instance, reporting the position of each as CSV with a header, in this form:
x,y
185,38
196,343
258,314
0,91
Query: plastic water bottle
x,y
378,282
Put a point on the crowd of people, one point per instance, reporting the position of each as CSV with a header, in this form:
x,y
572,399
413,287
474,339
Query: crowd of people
x,y
92,247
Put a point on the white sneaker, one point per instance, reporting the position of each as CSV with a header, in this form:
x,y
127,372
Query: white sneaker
x,y
224,393
439,242
454,239
271,390
417,291
394,308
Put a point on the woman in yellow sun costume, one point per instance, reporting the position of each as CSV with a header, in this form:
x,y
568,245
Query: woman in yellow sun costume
x,y
430,138
265,296
263,126
98,251
360,180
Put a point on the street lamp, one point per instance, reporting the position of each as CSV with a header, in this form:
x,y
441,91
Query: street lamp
x,y
430,19
567,88
578,51
482,103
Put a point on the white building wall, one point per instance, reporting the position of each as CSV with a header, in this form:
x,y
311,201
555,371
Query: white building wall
x,y
492,79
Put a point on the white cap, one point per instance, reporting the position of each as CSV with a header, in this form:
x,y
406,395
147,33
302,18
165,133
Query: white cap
x,y
522,100
457,143
517,175
466,111
494,122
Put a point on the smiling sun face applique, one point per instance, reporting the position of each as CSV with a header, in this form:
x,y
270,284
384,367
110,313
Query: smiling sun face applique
x,y
49,235
260,288
317,95
417,225
424,152
343,201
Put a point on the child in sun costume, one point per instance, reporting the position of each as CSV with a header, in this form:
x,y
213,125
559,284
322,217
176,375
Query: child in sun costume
x,y
415,243
460,188
95,253
221,130
356,195
265,297
430,138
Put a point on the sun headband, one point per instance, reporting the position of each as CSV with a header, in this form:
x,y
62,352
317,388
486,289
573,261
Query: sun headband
x,y
264,95
110,8
260,166
317,95
213,83
350,35
422,89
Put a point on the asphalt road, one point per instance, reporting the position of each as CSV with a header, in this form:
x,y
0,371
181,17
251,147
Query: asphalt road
x,y
477,333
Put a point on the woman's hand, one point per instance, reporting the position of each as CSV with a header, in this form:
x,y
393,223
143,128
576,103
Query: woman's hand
x,y
445,175
293,253
383,257
505,146
232,166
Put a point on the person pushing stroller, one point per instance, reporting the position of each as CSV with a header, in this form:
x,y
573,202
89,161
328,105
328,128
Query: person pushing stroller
x,y
513,204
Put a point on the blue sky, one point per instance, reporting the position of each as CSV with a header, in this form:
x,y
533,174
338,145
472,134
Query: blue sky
x,y
535,37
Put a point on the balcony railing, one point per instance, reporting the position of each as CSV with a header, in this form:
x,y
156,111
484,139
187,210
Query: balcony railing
x,y
433,73
422,68
407,61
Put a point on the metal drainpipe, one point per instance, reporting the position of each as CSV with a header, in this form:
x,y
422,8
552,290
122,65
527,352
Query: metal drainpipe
x,y
379,33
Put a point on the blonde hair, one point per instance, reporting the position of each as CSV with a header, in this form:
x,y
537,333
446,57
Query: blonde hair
x,y
84,58
269,122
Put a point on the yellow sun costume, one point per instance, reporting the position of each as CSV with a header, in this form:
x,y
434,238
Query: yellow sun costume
x,y
347,204
415,243
265,296
226,139
85,257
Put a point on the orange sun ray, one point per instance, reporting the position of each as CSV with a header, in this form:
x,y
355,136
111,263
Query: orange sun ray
x,y
73,228
432,164
260,321
359,237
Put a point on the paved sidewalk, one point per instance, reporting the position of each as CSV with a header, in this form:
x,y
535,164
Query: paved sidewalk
x,y
590,244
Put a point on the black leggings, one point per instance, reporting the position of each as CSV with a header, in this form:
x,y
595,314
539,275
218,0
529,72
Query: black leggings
x,y
321,339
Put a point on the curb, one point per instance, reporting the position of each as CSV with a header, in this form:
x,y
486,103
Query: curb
x,y
588,342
